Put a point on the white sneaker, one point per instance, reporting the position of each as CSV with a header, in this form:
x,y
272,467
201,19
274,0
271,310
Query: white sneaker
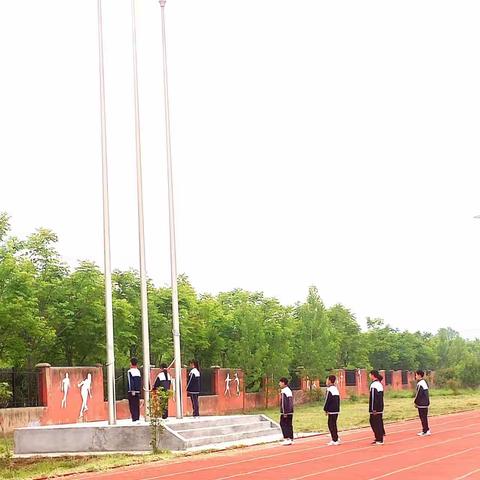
x,y
287,441
424,434
378,443
332,443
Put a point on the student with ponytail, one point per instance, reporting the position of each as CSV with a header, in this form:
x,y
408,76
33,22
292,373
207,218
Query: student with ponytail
x,y
164,381
376,407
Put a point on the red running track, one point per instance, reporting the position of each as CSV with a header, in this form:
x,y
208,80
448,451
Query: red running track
x,y
452,452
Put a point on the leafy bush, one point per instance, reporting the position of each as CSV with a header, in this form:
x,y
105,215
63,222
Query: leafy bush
x,y
444,376
158,403
469,372
316,395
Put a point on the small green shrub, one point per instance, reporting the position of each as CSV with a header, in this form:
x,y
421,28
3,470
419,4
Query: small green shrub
x,y
316,395
158,403
454,386
353,398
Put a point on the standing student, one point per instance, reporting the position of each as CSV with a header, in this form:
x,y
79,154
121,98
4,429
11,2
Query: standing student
x,y
332,408
375,407
134,389
193,387
286,411
163,381
422,401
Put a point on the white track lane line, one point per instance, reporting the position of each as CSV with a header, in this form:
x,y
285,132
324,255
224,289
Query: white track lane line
x,y
384,456
321,447
469,474
401,425
412,467
342,452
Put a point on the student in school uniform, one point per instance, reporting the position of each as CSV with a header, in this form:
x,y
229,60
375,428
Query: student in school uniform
x,y
422,402
332,408
164,381
193,387
375,407
286,411
134,389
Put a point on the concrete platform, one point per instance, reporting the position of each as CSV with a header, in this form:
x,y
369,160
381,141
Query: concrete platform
x,y
188,434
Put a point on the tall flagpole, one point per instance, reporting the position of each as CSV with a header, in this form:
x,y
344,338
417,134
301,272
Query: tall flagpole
x,y
171,212
106,233
141,228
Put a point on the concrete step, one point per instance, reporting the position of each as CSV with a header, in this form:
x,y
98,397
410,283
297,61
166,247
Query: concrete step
x,y
244,442
203,422
230,437
218,431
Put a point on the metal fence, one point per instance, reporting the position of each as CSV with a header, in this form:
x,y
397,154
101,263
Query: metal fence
x,y
295,382
121,383
24,387
351,378
388,377
207,386
404,377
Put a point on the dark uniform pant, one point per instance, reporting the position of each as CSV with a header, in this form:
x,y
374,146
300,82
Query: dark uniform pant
x,y
286,424
134,405
195,406
376,422
332,426
423,414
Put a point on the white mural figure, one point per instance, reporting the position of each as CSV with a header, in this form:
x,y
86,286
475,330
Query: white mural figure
x,y
228,380
237,384
65,387
85,392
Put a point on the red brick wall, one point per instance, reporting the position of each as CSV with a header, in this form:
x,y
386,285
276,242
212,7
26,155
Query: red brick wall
x,y
52,395
220,403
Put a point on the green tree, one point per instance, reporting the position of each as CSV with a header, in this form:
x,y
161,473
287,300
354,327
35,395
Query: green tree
x,y
352,351
316,345
80,333
24,332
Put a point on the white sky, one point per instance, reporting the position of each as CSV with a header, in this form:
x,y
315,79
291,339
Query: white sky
x,y
314,142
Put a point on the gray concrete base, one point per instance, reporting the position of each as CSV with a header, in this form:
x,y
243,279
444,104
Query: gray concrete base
x,y
90,437
205,433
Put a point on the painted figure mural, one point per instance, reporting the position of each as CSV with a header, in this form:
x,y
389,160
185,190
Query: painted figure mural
x,y
85,391
65,386
228,380
237,384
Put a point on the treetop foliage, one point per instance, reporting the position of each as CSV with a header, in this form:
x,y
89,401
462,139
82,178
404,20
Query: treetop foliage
x,y
52,313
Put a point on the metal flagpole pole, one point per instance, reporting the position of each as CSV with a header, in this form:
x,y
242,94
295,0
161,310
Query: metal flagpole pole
x,y
141,228
171,211
106,233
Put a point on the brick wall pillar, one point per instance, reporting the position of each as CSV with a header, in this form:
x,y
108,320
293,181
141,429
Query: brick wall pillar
x,y
43,381
363,382
384,383
342,383
397,380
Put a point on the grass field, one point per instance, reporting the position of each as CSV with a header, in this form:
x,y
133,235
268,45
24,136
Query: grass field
x,y
27,469
308,418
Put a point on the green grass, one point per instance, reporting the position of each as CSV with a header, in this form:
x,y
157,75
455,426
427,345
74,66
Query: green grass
x,y
398,406
31,468
307,418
